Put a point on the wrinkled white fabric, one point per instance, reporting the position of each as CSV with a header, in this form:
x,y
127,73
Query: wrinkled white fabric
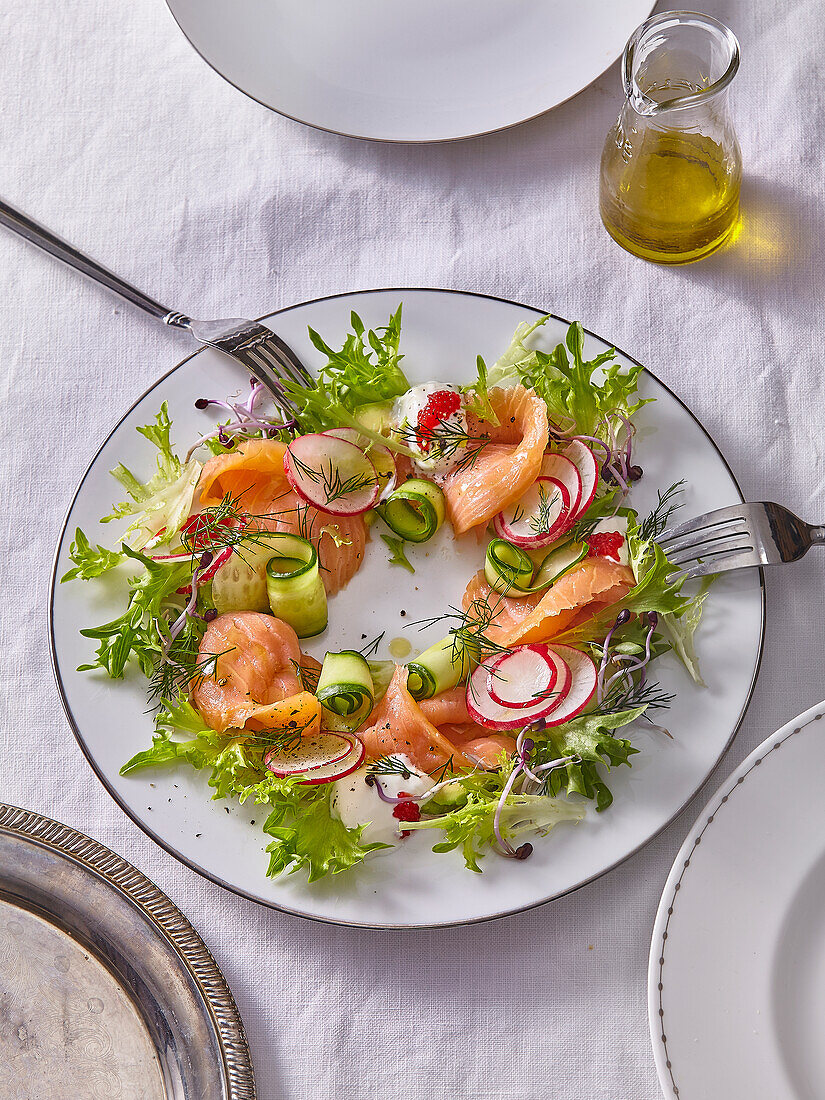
x,y
116,134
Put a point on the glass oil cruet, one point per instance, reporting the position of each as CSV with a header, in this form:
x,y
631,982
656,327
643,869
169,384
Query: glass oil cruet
x,y
671,167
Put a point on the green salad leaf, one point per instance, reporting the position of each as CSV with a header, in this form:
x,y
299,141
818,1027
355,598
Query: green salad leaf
x,y
479,395
470,825
161,505
398,552
365,372
90,561
680,631
590,739
575,394
306,834
136,633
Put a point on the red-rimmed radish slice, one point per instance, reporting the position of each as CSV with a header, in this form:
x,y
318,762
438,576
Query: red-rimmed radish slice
x,y
331,473
522,677
588,466
484,710
380,456
204,575
538,517
318,758
582,686
563,469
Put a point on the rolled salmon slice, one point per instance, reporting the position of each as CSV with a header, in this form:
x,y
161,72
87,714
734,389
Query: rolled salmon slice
x,y
593,585
398,725
506,466
253,475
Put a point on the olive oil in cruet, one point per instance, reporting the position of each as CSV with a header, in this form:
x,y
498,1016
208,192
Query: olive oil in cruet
x,y
671,165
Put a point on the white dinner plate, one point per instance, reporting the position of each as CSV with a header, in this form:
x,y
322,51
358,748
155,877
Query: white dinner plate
x,y
736,986
442,333
421,70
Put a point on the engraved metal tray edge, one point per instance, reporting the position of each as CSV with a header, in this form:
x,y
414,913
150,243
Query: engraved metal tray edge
x,y
160,911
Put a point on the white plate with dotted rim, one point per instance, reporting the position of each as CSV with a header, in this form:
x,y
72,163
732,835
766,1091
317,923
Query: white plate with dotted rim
x,y
422,71
442,333
736,984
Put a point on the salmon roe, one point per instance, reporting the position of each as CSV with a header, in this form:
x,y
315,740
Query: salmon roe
x,y
605,544
406,811
439,407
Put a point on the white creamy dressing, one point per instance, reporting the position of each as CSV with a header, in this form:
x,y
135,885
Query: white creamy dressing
x,y
619,524
355,801
437,460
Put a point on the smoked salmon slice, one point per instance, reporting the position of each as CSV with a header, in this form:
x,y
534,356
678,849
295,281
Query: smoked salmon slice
x,y
590,587
247,662
506,466
398,725
253,475
448,711
482,746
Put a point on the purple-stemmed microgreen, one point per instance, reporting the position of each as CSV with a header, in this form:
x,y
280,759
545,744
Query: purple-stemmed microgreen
x,y
246,419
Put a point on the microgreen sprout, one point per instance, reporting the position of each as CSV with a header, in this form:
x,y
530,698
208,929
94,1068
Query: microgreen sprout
x,y
246,420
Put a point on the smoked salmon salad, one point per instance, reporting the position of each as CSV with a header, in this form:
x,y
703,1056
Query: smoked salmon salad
x,y
230,560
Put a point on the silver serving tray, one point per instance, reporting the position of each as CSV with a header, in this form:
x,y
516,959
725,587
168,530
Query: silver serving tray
x,y
106,990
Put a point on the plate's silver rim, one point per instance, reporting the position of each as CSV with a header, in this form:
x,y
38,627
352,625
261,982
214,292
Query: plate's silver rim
x,y
394,141
164,916
363,924
657,1017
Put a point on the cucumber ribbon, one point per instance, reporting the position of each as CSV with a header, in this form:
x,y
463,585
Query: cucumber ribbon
x,y
440,667
294,586
510,570
415,510
345,690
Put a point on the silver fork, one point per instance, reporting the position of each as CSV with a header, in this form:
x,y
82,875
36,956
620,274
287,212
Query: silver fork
x,y
738,537
259,351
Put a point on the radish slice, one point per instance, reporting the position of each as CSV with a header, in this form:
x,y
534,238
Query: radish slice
x,y
483,709
582,687
538,517
331,473
318,758
587,464
563,469
381,457
522,677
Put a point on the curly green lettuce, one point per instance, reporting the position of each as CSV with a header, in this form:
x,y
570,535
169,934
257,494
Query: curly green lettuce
x,y
306,836
162,504
579,393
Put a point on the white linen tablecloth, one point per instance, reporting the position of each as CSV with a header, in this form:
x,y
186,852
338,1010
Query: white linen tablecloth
x,y
117,135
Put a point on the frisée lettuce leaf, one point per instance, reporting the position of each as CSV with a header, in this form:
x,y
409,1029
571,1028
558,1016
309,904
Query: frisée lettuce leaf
x,y
577,397
306,836
162,504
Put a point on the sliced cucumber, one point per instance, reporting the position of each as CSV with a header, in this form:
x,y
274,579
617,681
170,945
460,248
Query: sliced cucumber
x,y
240,583
415,510
345,690
439,668
294,586
559,561
507,568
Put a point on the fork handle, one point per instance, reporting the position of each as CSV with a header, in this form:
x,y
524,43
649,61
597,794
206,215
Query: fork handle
x,y
24,226
817,536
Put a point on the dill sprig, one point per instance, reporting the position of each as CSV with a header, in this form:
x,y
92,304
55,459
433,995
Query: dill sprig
x,y
543,520
389,765
371,648
447,438
621,697
653,525
332,483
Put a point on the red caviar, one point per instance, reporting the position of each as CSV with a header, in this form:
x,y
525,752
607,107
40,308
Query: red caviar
x,y
439,407
605,544
406,811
